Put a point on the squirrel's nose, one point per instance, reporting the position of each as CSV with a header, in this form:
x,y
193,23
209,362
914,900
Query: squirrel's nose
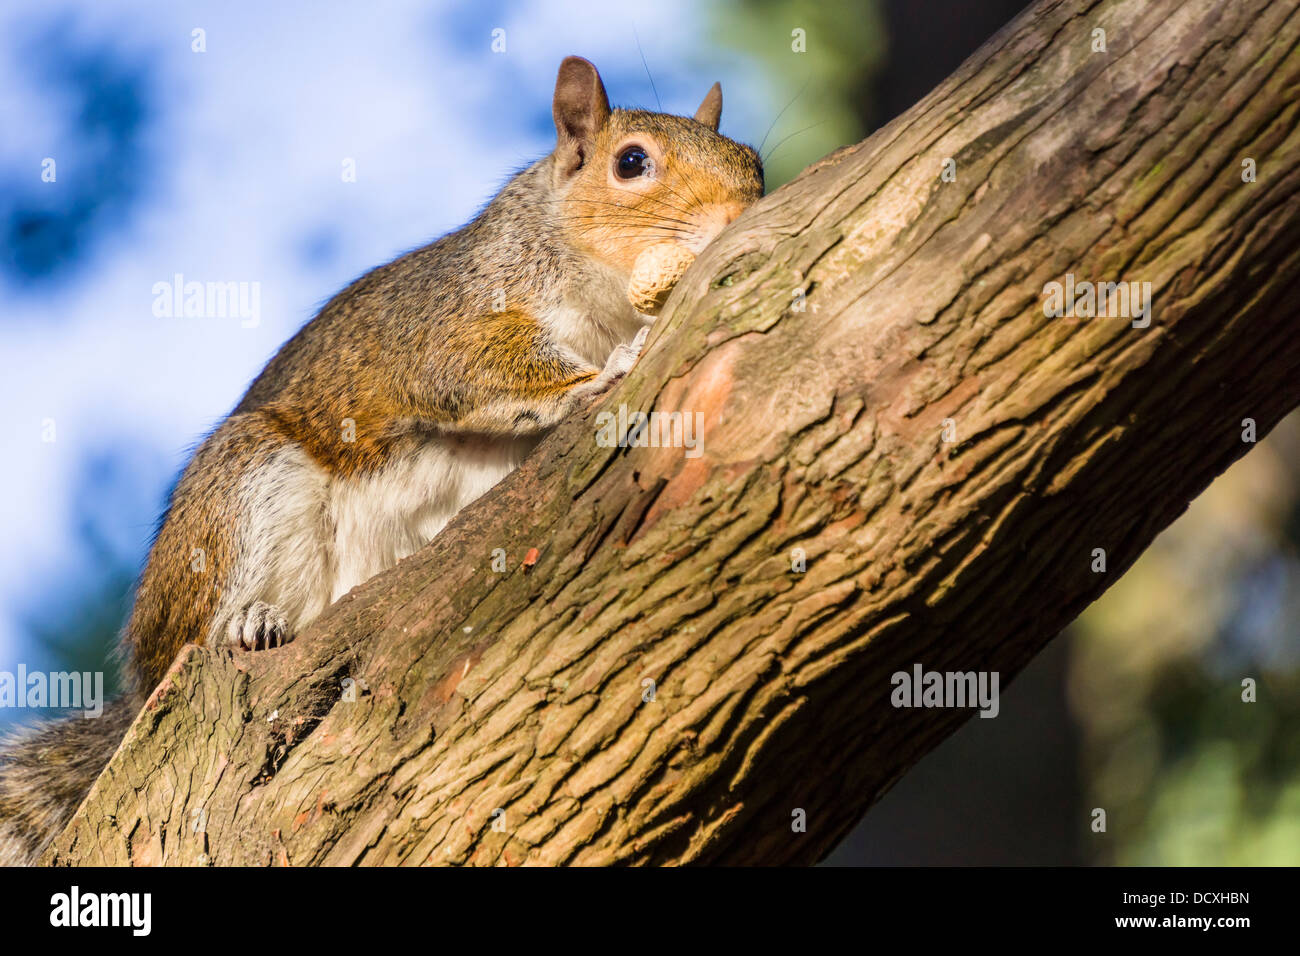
x,y
714,219
724,214
730,211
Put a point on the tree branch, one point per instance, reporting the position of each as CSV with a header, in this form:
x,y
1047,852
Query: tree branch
x,y
920,316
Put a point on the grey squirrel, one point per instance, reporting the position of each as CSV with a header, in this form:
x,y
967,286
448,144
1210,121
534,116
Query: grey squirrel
x,y
411,393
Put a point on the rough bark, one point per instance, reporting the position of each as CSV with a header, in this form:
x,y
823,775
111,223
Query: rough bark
x,y
823,430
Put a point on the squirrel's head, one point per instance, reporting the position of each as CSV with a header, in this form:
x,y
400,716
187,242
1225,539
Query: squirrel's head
x,y
628,179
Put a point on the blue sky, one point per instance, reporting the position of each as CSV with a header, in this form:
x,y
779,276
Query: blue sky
x,y
226,166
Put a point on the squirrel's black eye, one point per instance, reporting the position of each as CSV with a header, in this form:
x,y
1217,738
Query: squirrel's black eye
x,y
631,163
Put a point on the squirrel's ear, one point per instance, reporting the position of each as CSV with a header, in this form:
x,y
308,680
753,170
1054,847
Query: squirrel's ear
x,y
580,109
710,111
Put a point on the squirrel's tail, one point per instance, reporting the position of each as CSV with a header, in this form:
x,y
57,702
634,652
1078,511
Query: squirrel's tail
x,y
46,771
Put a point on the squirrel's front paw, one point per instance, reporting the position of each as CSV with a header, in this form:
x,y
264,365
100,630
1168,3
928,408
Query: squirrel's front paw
x,y
258,627
621,360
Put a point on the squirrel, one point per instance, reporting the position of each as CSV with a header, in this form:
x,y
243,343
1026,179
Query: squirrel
x,y
411,393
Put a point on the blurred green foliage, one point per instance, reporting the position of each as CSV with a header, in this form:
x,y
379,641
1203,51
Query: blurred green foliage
x,y
1189,772
820,96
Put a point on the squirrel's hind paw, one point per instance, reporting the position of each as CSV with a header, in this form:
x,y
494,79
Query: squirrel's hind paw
x,y
258,627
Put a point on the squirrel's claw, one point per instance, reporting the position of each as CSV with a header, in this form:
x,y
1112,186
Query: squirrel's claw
x,y
258,627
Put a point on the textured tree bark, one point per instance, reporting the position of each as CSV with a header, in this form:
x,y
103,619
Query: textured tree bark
x,y
830,341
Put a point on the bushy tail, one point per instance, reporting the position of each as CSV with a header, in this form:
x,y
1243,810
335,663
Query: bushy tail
x,y
46,771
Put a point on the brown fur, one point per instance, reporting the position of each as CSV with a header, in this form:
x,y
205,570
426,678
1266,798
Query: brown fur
x,y
47,770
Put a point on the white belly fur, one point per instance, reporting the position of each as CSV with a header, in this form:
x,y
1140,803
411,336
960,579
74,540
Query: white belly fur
x,y
384,517
308,538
